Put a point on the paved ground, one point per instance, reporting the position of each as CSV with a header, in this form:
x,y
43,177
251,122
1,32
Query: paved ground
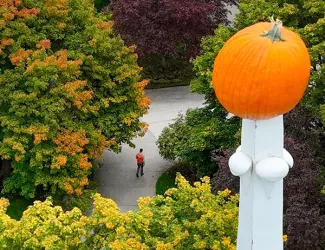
x,y
233,11
117,176
166,104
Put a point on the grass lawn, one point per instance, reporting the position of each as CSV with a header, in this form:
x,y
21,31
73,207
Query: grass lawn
x,y
174,72
165,181
158,85
17,206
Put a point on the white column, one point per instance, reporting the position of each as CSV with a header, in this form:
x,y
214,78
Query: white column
x,y
259,163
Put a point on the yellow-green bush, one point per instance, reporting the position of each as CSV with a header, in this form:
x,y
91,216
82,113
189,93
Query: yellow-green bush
x,y
185,218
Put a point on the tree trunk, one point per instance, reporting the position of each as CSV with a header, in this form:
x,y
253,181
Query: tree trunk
x,y
163,62
5,168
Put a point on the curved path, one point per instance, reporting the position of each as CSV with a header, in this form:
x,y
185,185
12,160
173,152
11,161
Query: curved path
x,y
117,174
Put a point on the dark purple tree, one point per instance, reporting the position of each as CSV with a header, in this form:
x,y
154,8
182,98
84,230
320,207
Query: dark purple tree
x,y
166,27
304,215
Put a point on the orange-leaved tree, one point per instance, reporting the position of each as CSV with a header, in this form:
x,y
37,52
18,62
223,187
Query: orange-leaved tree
x,y
69,89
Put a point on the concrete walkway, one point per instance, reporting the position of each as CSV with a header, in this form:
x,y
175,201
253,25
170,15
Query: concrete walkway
x,y
117,175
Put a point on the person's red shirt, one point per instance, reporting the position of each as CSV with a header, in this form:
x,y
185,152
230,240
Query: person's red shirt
x,y
139,158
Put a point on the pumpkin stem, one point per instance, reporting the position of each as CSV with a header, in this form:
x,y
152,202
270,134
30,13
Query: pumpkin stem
x,y
274,34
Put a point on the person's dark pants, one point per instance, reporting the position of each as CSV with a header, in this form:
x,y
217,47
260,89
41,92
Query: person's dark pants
x,y
140,166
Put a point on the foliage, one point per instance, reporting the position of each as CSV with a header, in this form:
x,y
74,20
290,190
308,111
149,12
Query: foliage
x,y
175,72
100,4
17,206
165,182
304,205
304,214
167,179
249,64
192,138
203,65
71,90
305,17
168,27
167,33
298,14
83,201
186,218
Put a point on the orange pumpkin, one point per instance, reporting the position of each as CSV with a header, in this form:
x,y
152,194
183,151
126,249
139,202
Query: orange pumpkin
x,y
258,75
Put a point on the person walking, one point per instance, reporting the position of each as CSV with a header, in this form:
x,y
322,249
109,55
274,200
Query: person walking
x,y
140,161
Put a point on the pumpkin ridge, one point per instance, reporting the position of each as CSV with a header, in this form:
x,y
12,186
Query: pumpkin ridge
x,y
267,76
265,80
228,88
295,50
297,55
221,90
240,35
222,87
215,71
243,68
256,72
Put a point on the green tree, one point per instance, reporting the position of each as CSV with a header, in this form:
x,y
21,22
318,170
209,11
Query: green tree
x,y
303,127
71,87
100,4
185,218
192,138
305,17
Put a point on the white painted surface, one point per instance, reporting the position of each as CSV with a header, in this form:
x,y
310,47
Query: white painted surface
x,y
240,163
261,201
288,158
272,169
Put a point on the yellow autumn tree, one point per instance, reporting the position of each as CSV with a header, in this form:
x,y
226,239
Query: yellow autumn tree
x,y
186,217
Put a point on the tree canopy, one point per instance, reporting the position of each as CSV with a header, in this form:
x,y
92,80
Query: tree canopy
x,y
70,89
304,126
168,26
305,17
100,4
185,218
